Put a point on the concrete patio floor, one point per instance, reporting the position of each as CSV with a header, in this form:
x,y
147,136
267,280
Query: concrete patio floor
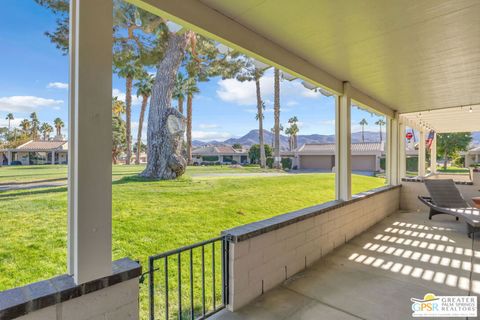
x,y
375,274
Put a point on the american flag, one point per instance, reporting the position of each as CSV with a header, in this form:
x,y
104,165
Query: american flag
x,y
431,136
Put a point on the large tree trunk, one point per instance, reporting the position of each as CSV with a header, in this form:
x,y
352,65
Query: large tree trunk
x,y
189,128
381,138
180,105
140,128
128,116
263,160
363,137
166,126
277,163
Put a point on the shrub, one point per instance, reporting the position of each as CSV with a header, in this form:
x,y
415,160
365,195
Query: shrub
x,y
382,163
412,164
286,163
210,158
270,162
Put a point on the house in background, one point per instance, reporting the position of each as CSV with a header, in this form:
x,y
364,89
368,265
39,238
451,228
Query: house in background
x,y
472,156
36,152
219,154
366,157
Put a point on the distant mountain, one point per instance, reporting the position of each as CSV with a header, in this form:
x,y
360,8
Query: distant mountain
x,y
251,138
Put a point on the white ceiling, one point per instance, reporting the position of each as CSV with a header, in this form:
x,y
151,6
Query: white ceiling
x,y
408,54
458,119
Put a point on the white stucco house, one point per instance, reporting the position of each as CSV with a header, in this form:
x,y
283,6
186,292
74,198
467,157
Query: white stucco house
x,y
472,156
220,154
36,152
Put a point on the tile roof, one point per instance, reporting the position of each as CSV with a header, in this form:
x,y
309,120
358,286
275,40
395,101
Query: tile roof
x,y
214,150
42,145
329,148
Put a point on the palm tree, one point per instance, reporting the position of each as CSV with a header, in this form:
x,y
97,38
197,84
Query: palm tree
x,y
127,66
190,89
144,90
363,123
118,106
293,131
35,125
277,163
380,123
9,118
58,123
25,125
179,91
46,129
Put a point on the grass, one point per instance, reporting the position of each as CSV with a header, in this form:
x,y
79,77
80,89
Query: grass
x,y
453,169
148,216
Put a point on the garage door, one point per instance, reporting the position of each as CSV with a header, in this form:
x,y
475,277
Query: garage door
x,y
363,163
316,162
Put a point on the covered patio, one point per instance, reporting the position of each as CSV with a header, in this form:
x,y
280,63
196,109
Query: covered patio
x,y
375,275
416,63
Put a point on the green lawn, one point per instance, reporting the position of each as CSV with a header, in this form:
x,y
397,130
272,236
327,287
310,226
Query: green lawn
x,y
148,217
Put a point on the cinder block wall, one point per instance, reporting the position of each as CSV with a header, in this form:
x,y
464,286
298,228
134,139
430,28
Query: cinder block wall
x,y
260,263
412,189
118,302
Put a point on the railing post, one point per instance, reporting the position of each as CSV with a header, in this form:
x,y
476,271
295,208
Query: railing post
x,y
151,288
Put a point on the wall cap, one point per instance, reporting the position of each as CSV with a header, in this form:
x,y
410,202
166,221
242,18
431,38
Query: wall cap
x,y
20,301
258,228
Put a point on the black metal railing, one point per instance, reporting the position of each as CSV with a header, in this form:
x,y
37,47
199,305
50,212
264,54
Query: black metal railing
x,y
189,282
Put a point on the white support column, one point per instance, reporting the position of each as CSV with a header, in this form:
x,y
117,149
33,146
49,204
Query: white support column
x,y
392,163
421,154
9,157
90,135
402,157
433,155
343,179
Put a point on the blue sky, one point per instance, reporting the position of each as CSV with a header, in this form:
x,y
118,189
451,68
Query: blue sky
x,y
34,77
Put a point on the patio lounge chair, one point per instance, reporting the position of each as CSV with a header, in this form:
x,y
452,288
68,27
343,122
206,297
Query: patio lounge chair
x,y
446,199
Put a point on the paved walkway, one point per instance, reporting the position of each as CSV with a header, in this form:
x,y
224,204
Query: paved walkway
x,y
33,185
375,274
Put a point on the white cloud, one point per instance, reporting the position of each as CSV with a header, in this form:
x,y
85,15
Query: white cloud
x,y
291,103
243,93
136,101
210,135
57,85
26,103
307,93
208,126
